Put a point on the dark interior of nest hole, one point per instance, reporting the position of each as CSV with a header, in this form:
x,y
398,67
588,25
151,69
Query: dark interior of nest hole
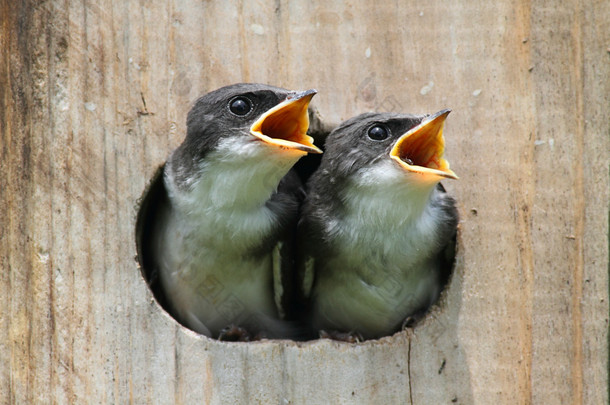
x,y
156,194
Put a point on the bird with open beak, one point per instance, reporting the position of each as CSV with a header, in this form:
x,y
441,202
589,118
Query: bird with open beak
x,y
376,223
223,239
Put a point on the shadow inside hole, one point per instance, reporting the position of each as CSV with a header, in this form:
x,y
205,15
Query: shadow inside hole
x,y
447,264
155,195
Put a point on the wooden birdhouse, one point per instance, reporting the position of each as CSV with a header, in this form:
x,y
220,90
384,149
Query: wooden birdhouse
x,y
94,97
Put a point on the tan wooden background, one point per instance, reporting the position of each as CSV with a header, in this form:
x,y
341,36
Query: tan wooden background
x,y
93,97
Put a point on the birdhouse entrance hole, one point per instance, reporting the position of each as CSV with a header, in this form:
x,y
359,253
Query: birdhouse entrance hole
x,y
155,193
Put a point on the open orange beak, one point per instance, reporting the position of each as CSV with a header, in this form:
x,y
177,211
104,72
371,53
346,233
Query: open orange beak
x,y
286,124
421,149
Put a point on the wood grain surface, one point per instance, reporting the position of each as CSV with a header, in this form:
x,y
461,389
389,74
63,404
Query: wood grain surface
x,y
94,96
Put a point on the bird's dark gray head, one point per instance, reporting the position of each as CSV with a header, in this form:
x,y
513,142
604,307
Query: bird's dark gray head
x,y
229,110
232,110
257,112
414,141
363,140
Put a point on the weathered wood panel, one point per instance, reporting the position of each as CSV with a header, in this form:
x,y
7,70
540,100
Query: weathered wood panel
x,y
93,97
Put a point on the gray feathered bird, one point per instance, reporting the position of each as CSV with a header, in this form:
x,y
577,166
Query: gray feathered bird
x,y
227,225
375,224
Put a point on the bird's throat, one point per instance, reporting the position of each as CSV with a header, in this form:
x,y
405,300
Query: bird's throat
x,y
382,196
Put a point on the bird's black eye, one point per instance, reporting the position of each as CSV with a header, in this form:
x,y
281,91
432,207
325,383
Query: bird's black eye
x,y
240,106
378,133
